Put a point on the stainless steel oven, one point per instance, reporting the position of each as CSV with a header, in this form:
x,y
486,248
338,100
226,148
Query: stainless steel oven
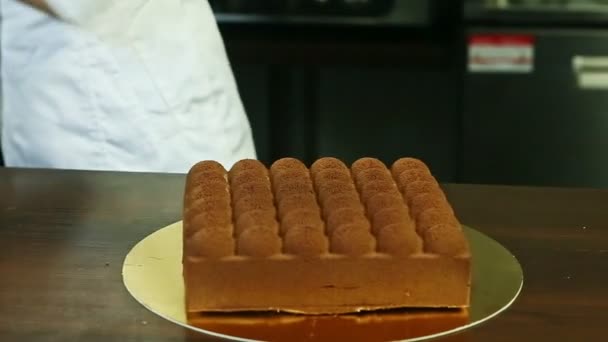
x,y
570,12
536,93
341,12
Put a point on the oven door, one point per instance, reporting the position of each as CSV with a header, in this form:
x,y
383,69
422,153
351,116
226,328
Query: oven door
x,y
576,12
411,13
541,125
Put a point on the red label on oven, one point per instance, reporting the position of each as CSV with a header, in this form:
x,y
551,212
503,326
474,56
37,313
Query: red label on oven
x,y
501,53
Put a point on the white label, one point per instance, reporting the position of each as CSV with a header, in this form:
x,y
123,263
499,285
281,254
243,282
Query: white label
x,y
497,53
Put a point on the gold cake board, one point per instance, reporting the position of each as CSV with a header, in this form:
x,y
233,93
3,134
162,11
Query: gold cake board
x,y
152,273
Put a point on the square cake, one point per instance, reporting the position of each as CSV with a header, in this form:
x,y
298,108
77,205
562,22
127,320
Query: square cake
x,y
324,239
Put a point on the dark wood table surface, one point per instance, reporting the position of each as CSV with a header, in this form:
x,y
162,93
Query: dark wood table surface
x,y
64,235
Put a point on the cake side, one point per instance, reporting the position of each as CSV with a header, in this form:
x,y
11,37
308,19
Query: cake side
x,y
328,284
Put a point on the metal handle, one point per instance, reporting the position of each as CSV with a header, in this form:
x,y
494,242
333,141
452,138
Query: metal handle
x,y
591,71
590,63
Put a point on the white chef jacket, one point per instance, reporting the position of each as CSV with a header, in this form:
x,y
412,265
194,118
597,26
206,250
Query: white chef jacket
x,y
132,85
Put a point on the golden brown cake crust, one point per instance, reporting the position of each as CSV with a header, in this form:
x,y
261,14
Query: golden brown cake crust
x,y
343,239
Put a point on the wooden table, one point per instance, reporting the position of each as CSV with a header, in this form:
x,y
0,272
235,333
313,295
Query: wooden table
x,y
64,234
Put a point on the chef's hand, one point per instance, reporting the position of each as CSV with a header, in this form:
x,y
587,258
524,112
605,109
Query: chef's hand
x,y
41,5
80,12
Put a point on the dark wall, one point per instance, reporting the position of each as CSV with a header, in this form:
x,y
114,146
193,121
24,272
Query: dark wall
x,y
252,81
391,93
389,113
383,112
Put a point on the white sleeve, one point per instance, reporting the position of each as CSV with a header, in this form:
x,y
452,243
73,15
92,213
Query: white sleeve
x,y
80,12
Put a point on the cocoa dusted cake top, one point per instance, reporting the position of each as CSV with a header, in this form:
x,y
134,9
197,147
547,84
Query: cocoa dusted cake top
x,y
327,209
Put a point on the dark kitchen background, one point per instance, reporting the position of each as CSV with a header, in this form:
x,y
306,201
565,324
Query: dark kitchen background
x,y
485,91
391,78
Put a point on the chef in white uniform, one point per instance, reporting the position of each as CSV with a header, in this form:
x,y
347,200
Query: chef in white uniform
x,y
132,85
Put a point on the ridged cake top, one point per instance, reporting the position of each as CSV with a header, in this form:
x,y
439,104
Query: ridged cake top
x,y
328,208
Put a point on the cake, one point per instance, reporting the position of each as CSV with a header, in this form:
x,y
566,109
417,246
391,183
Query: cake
x,y
324,239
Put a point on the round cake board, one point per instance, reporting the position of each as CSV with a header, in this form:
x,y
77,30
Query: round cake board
x,y
152,273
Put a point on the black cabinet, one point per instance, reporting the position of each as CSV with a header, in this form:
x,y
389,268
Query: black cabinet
x,y
544,127
368,88
390,113
352,112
